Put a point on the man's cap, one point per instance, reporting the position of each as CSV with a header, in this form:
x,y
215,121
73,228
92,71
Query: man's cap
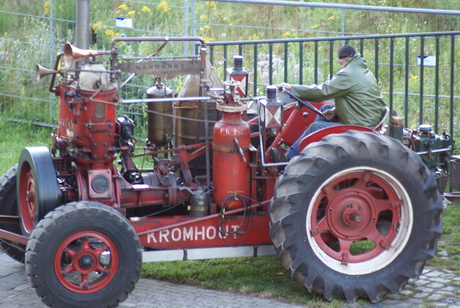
x,y
346,51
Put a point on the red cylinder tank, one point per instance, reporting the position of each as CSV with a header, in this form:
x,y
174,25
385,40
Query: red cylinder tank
x,y
231,172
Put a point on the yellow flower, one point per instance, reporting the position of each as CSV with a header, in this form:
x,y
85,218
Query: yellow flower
x,y
253,37
109,32
287,33
211,4
131,13
204,17
413,77
145,9
123,7
46,7
206,38
314,27
207,27
331,17
163,6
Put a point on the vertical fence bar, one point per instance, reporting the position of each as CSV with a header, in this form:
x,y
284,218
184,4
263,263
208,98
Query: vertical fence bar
x,y
255,69
376,52
286,48
300,63
211,53
452,88
186,27
361,47
225,60
331,59
422,77
52,53
270,63
406,84
392,45
436,87
316,63
193,10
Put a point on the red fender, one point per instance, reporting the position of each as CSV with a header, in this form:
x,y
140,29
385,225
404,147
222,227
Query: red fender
x,y
320,134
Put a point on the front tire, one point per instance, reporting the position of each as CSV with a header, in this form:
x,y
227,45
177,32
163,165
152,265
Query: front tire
x,y
84,254
355,215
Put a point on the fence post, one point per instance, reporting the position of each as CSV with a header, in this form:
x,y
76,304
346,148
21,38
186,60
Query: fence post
x,y
82,21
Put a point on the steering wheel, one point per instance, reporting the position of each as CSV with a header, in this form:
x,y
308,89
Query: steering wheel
x,y
303,102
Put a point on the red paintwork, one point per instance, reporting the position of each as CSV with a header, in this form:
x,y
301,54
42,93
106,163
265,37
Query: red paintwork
x,y
84,262
231,173
185,232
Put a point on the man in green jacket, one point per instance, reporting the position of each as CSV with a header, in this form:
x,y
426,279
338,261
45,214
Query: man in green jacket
x,y
358,100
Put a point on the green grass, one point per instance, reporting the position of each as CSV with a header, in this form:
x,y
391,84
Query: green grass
x,y
14,137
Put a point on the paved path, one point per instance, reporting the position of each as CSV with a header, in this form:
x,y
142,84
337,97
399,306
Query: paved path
x,y
433,289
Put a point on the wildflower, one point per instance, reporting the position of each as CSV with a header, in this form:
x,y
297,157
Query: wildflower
x,y
46,7
211,4
413,77
331,18
163,6
123,7
109,32
253,37
204,17
314,27
145,9
207,38
207,27
131,13
287,33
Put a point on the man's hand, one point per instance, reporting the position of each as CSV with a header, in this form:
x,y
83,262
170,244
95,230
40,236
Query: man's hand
x,y
284,85
329,114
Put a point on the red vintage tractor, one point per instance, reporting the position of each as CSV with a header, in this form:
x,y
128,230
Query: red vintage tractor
x,y
356,215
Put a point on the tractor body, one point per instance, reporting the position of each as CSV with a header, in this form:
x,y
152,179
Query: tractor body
x,y
208,187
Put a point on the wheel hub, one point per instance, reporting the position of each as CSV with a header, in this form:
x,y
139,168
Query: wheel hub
x,y
86,262
351,215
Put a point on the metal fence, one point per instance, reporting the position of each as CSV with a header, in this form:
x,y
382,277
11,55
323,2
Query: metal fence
x,y
33,32
416,72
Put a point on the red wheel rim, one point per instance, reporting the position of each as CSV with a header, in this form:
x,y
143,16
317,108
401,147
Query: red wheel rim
x,y
27,198
355,217
86,262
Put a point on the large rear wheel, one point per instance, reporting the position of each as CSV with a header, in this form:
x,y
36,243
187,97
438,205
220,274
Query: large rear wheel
x,y
8,206
355,215
83,254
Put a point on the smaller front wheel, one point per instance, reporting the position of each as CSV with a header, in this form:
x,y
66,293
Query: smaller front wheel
x,y
84,254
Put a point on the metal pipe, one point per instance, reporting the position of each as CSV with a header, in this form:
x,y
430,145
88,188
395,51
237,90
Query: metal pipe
x,y
347,6
82,22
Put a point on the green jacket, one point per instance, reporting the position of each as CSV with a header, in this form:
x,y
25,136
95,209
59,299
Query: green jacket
x,y
358,100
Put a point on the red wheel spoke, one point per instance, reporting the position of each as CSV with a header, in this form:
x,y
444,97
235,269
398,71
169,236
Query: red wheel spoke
x,y
102,269
72,253
381,241
320,227
344,250
383,205
69,269
100,251
85,244
84,281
